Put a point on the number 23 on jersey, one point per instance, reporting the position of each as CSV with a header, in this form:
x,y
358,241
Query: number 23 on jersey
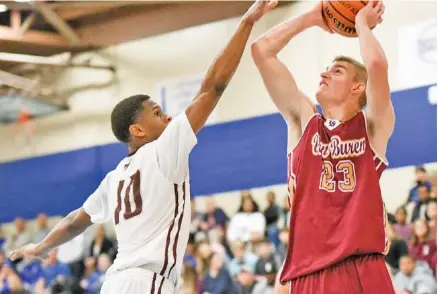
x,y
330,183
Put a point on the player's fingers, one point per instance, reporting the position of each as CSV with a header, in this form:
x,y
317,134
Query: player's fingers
x,y
15,255
380,20
272,4
378,6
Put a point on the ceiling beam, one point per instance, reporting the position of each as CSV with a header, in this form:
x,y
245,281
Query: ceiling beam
x,y
141,22
58,23
36,43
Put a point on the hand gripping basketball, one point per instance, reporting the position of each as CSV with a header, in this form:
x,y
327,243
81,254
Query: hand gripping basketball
x,y
371,14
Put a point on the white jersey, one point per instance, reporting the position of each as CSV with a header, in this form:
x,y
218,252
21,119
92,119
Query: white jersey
x,y
147,197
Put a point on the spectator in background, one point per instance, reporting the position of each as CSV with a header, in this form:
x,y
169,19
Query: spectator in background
x,y
248,283
218,279
248,220
241,258
189,281
89,268
9,279
31,272
20,238
247,195
281,250
415,277
54,271
72,254
420,208
203,256
93,282
2,238
397,249
189,256
266,267
43,228
196,219
401,228
272,215
101,244
283,221
214,216
421,247
431,215
421,180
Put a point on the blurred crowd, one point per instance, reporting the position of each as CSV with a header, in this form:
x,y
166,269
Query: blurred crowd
x,y
240,253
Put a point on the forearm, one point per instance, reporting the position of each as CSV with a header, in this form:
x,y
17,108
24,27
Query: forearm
x,y
278,37
64,231
370,49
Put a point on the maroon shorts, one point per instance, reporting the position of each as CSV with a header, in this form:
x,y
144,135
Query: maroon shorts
x,y
366,274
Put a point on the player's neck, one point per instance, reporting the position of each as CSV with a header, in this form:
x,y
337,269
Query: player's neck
x,y
340,113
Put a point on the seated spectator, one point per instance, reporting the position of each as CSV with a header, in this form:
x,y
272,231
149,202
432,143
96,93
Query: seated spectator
x,y
54,271
421,247
2,238
281,250
245,222
421,180
20,238
189,280
420,208
9,280
254,240
402,229
72,254
43,228
272,215
247,195
397,249
93,282
431,215
31,272
189,257
203,256
241,258
89,268
249,285
214,216
414,277
218,279
101,244
284,219
266,267
196,220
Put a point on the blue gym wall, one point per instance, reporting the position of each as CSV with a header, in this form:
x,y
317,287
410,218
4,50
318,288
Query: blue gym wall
x,y
230,156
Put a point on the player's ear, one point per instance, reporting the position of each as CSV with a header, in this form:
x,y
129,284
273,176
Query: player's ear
x,y
136,130
358,87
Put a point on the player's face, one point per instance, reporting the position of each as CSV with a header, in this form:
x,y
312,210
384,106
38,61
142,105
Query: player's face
x,y
152,121
337,83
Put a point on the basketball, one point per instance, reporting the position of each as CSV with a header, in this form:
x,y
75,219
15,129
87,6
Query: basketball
x,y
340,16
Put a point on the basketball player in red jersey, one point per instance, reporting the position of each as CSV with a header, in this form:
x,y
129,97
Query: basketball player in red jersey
x,y
338,218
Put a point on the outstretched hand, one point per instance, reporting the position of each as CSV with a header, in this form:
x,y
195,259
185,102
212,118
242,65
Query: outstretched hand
x,y
258,9
30,250
371,14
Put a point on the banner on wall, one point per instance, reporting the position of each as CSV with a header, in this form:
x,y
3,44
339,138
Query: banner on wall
x,y
417,54
176,94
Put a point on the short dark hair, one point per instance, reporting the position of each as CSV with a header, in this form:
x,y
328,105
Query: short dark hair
x,y
124,114
420,169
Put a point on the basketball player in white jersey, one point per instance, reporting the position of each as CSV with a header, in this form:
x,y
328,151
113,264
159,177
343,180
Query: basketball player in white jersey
x,y
147,196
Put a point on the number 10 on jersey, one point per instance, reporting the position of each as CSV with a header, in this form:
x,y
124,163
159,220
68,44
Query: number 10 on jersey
x,y
328,181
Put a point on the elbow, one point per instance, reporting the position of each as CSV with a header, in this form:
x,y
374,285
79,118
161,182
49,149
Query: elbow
x,y
259,50
379,64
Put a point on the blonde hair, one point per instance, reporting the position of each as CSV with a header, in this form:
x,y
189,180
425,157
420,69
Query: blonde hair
x,y
361,75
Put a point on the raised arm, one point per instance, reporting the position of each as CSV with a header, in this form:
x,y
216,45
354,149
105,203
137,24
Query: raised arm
x,y
69,227
379,111
224,67
295,107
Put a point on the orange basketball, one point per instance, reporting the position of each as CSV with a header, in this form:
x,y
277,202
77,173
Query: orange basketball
x,y
340,16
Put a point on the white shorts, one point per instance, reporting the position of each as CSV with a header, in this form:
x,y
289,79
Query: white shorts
x,y
136,281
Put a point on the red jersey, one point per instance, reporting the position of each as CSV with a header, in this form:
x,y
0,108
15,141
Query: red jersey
x,y
337,208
